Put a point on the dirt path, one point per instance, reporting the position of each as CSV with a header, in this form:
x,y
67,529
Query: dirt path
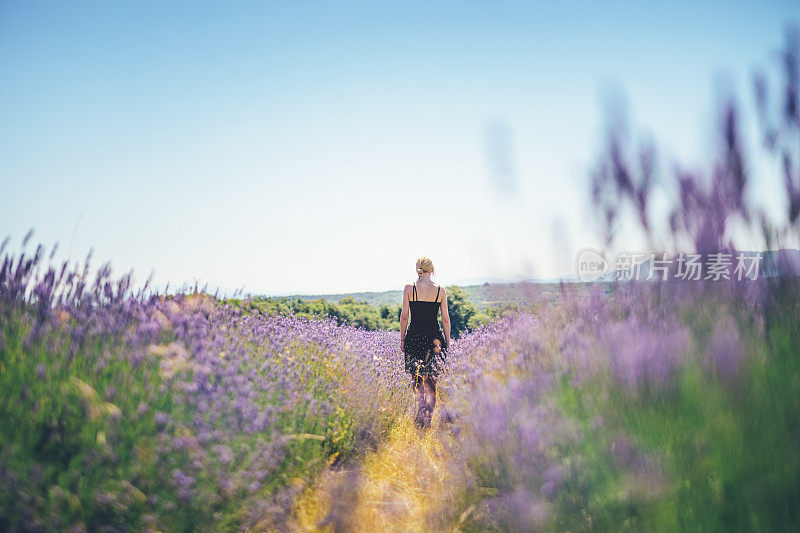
x,y
399,487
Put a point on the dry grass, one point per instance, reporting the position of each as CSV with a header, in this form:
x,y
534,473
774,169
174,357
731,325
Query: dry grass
x,y
399,487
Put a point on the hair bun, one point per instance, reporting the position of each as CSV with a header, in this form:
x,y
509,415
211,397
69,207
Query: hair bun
x,y
424,264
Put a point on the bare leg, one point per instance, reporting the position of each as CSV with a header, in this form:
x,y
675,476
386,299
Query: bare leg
x,y
425,399
419,401
430,393
430,398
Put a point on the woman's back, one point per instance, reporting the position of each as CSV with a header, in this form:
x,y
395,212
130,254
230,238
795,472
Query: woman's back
x,y
425,290
424,313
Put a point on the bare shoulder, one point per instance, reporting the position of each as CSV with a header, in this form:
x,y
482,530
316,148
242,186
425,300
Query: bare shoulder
x,y
408,288
442,294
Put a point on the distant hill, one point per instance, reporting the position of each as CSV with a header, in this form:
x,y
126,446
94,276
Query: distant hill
x,y
482,295
376,299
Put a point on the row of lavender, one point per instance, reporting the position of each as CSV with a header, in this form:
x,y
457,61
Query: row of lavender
x,y
650,406
126,411
642,407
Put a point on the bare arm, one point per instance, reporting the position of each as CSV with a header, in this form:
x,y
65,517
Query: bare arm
x,y
445,318
404,319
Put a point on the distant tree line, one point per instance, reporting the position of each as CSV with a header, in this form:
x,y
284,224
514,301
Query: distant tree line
x,y
463,314
346,311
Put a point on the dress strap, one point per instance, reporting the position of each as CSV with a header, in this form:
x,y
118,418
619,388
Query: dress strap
x,y
414,298
437,294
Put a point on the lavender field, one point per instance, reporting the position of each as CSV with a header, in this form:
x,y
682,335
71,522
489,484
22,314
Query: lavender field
x,y
664,404
661,406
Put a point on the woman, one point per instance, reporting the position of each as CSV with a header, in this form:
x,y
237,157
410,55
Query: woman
x,y
424,345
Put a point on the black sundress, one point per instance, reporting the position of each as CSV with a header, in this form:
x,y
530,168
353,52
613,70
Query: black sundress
x,y
421,357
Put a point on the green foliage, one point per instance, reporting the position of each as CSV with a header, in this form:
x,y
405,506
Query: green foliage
x,y
460,310
80,440
63,433
492,313
729,448
348,310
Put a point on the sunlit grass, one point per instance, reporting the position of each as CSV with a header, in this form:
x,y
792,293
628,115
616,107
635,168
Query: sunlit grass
x,y
401,486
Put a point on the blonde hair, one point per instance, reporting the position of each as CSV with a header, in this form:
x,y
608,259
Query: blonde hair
x,y
424,264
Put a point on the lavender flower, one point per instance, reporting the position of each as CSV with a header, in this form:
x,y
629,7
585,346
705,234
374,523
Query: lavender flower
x,y
726,352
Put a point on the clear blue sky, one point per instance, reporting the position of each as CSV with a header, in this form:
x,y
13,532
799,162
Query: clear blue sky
x,y
323,146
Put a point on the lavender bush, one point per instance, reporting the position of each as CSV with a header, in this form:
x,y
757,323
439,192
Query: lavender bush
x,y
129,411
